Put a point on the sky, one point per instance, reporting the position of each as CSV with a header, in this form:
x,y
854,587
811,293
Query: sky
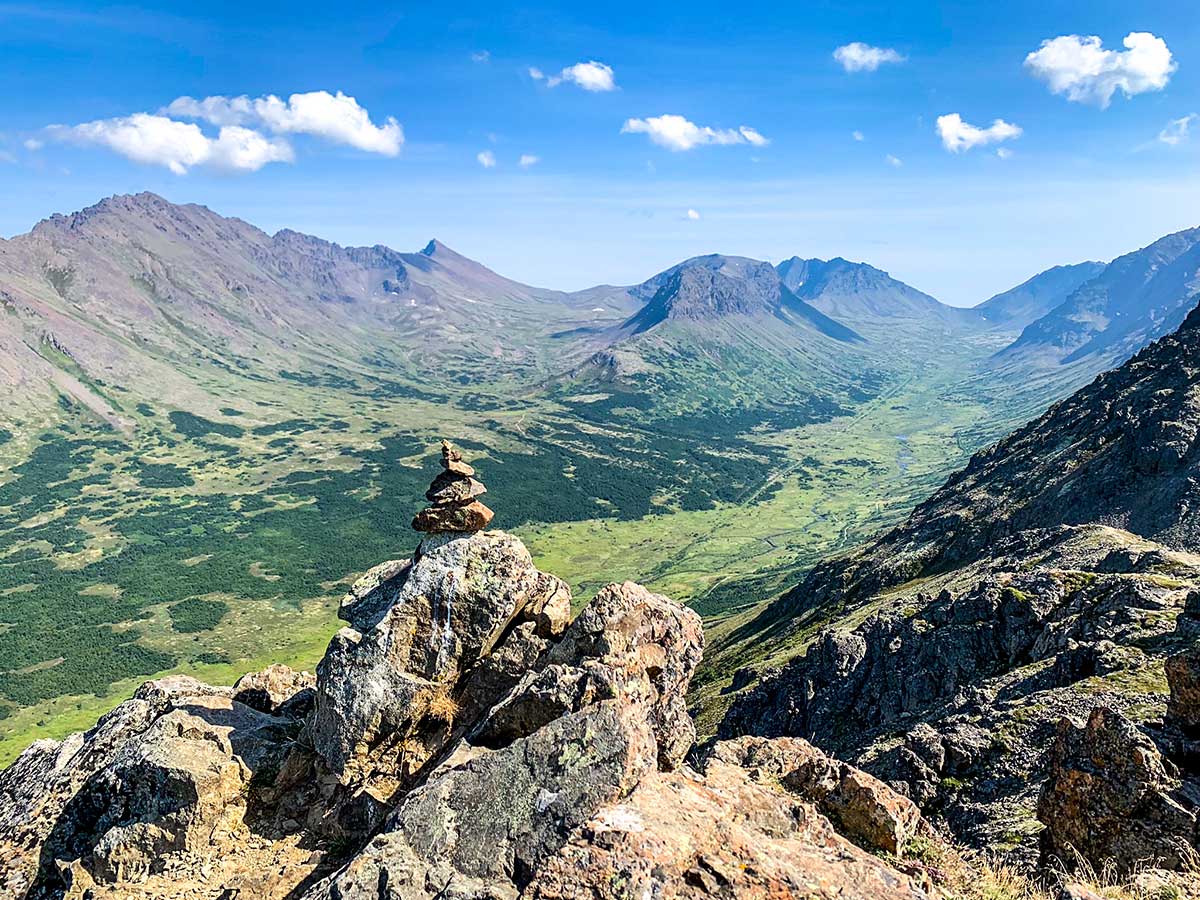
x,y
962,147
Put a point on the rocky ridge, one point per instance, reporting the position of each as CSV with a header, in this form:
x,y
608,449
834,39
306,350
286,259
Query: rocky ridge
x,y
463,737
1019,657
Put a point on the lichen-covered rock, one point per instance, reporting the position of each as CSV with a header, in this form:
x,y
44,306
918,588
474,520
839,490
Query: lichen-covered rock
x,y
650,638
416,629
1183,676
482,827
1110,798
277,689
163,776
726,833
865,809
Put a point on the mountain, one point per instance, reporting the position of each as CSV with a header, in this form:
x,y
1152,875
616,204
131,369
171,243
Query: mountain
x,y
1032,299
707,288
462,737
1054,576
138,291
855,291
1138,297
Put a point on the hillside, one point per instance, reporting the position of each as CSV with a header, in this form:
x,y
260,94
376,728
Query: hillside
x,y
1053,576
1137,298
1026,303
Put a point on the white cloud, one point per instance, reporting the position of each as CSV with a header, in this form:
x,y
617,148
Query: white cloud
x,y
591,76
693,215
958,135
858,136
34,144
481,57
1004,153
677,133
486,158
180,146
1085,72
335,117
894,161
860,57
1177,130
527,160
753,137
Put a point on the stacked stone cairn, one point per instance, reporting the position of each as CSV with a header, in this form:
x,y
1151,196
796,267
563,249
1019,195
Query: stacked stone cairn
x,y
454,507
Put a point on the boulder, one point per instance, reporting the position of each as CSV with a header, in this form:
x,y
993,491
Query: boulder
x,y
1110,799
865,809
417,629
1183,677
277,689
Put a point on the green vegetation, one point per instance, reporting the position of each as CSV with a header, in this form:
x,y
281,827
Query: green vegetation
x,y
193,615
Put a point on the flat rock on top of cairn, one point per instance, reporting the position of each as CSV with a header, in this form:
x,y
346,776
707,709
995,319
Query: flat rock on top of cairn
x,y
452,497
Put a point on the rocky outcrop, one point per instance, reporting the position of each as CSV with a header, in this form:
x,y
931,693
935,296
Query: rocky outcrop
x,y
1113,800
463,737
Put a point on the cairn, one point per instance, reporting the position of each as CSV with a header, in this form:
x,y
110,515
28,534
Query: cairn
x,y
454,507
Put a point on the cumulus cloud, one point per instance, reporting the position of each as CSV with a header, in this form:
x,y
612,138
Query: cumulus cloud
x,y
1177,130
1004,153
337,118
527,160
1085,72
34,144
180,146
858,136
860,57
677,133
958,135
591,76
486,158
693,215
894,161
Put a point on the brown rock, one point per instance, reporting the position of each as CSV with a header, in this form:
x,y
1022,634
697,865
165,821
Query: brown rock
x,y
1183,676
865,809
451,488
1110,799
274,687
469,518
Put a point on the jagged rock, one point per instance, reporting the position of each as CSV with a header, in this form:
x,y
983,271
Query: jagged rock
x,y
482,827
417,629
1183,676
651,640
277,689
453,494
1110,798
165,775
866,810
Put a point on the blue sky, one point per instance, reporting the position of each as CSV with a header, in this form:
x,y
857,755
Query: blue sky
x,y
603,201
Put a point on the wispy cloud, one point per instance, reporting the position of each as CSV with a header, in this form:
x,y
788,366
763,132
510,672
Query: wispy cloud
x,y
1080,68
958,135
337,118
179,146
677,133
1177,130
591,76
894,161
858,136
527,160
693,215
481,56
860,57
486,158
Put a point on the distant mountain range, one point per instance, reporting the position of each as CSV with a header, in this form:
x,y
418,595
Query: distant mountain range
x,y
137,291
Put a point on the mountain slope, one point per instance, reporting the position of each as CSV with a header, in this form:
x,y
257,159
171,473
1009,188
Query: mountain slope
x,y
1138,297
1056,573
1032,299
855,291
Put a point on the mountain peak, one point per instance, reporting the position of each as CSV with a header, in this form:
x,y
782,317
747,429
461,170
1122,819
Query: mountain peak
x,y
855,291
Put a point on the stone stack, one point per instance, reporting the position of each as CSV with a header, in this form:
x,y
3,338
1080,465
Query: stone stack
x,y
454,507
